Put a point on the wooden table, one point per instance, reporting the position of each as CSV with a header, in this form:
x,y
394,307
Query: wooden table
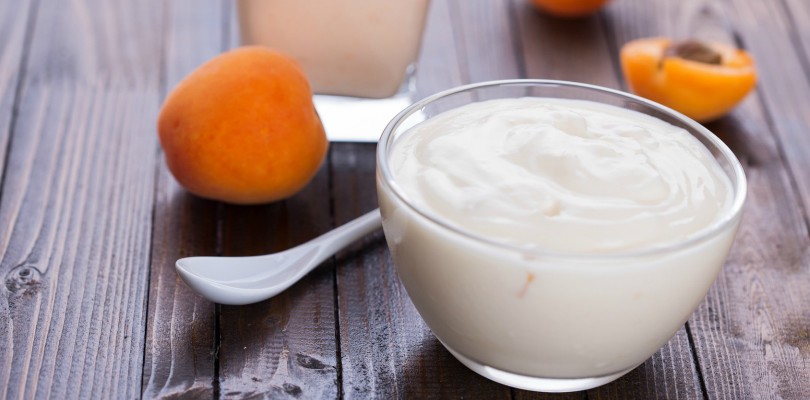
x,y
91,222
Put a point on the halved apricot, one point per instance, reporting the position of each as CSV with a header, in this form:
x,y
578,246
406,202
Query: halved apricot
x,y
701,80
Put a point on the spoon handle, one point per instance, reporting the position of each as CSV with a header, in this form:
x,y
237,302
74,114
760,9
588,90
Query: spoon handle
x,y
256,278
333,241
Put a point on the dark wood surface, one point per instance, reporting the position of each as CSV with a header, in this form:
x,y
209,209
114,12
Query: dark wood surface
x,y
91,221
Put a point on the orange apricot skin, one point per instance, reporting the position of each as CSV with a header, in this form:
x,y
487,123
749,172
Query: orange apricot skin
x,y
703,92
242,128
569,8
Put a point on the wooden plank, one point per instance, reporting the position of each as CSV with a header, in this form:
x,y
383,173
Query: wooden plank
x,y
15,27
77,203
436,68
579,50
779,50
798,13
180,341
564,49
488,47
750,332
777,290
13,45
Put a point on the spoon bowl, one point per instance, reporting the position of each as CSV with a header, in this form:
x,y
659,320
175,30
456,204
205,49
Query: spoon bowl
x,y
246,280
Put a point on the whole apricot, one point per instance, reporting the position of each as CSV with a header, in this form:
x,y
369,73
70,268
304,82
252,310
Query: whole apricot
x,y
701,80
242,128
569,8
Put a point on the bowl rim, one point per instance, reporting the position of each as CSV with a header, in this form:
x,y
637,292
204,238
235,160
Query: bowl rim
x,y
730,217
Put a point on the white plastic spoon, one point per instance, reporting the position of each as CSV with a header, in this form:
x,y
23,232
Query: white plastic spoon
x,y
245,280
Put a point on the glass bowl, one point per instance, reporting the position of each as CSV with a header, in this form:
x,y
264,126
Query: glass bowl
x,y
589,318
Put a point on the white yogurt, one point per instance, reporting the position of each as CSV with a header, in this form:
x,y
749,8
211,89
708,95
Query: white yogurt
x,y
561,175
352,47
541,263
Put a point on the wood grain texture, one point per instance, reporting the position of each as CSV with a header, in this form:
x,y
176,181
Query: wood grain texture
x,y
437,67
742,351
798,13
487,43
776,274
783,76
76,211
564,49
180,347
180,332
15,29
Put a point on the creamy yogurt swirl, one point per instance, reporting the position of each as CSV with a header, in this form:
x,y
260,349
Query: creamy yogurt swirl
x,y
559,175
